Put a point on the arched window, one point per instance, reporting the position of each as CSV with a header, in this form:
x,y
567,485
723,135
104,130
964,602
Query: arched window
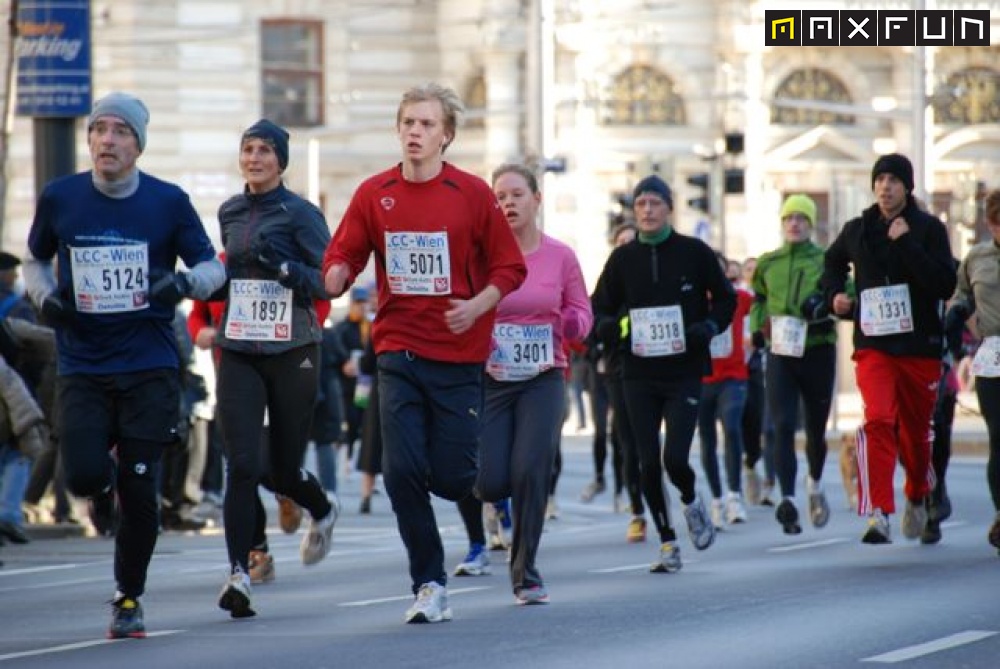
x,y
475,100
811,84
642,95
970,96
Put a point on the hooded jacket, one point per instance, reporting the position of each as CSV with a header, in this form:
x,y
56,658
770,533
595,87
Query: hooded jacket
x,y
921,259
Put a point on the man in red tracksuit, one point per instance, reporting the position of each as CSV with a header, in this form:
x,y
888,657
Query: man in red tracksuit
x,y
904,272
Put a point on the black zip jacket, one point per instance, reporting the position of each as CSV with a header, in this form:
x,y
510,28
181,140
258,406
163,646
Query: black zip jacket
x,y
921,259
680,270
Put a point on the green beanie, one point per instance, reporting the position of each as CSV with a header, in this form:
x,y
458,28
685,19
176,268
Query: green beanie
x,y
799,204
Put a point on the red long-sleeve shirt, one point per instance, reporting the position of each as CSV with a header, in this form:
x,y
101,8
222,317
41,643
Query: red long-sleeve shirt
x,y
481,251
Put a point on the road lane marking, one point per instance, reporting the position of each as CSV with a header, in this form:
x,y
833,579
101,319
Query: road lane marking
x,y
77,646
921,649
631,567
39,570
807,545
406,598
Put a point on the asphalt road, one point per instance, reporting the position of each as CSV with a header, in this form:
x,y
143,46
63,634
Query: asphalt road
x,y
755,599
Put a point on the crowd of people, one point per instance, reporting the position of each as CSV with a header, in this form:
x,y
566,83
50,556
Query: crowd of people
x,y
453,369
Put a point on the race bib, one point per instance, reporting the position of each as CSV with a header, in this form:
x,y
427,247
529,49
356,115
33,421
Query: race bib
x,y
657,331
987,360
418,263
886,310
721,345
259,311
110,279
520,352
788,336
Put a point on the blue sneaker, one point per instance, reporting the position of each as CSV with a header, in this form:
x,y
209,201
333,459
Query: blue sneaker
x,y
476,563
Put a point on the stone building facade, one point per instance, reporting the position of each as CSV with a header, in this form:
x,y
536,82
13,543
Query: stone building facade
x,y
606,89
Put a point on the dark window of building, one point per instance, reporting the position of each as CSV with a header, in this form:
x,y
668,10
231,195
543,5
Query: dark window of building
x,y
292,72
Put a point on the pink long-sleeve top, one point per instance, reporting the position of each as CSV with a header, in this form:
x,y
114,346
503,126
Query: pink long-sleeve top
x,y
552,293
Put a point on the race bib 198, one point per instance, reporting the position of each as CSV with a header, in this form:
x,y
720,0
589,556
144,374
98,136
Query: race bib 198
x,y
788,336
987,360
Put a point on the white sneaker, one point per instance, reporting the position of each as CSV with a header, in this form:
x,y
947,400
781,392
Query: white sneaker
x,y
551,509
819,509
718,511
877,529
236,595
318,539
669,560
700,527
431,605
735,511
476,562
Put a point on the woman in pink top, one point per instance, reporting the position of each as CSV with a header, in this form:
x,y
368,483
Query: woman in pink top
x,y
525,393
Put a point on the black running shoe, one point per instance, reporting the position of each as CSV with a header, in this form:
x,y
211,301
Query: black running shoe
x,y
126,619
788,516
931,533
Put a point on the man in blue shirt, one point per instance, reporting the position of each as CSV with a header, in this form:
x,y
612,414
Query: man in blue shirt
x,y
116,234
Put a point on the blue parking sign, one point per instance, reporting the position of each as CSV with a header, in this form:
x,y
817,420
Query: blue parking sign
x,y
53,58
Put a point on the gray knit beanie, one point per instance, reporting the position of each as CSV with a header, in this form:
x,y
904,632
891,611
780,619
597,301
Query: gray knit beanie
x,y
126,107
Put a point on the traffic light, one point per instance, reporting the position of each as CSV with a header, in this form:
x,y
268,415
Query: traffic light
x,y
734,181
702,201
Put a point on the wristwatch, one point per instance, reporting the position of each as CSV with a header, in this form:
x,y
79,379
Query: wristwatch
x,y
283,270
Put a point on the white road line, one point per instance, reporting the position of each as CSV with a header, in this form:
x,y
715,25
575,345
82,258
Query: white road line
x,y
807,545
77,646
39,570
944,643
631,567
406,598
616,570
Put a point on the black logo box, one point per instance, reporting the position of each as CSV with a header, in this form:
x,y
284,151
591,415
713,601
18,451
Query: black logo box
x,y
870,27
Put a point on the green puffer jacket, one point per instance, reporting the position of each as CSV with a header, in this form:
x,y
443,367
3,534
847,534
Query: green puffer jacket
x,y
784,279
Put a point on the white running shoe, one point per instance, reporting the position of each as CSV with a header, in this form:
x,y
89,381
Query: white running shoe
x,y
476,563
318,539
236,595
819,509
735,511
700,527
669,561
431,605
718,511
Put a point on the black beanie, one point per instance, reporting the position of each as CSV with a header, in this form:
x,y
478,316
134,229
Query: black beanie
x,y
656,185
274,135
897,165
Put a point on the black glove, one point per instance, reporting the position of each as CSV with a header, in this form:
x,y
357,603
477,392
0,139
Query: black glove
x,y
698,335
266,254
171,289
815,308
758,340
290,273
55,312
608,332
